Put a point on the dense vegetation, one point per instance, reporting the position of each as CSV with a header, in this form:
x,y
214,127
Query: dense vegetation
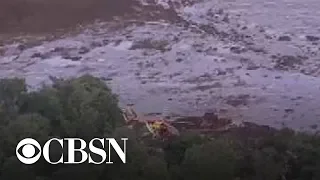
x,y
85,107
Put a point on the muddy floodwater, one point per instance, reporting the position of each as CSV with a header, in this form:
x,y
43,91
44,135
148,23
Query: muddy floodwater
x,y
248,60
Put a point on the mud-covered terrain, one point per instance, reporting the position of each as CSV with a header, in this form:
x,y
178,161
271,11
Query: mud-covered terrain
x,y
254,60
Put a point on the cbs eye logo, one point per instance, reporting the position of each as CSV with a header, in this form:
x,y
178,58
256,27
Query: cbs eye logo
x,y
28,151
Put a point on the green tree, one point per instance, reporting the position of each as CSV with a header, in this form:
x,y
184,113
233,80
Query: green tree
x,y
212,160
14,169
12,92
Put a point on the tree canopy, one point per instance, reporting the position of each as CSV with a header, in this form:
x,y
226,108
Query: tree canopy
x,y
85,107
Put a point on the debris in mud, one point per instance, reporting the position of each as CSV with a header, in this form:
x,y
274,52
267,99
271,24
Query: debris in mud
x,y
268,37
274,56
240,83
234,36
84,50
237,50
209,121
106,78
72,58
284,38
161,45
2,51
140,65
66,53
223,111
59,49
289,110
217,85
314,126
257,49
220,11
252,66
117,42
211,51
296,98
41,56
198,47
21,47
288,62
175,74
221,72
149,64
236,101
244,28
226,19
206,77
312,38
179,60
28,45
244,60
208,29
230,70
106,41
207,87
95,45
143,82
8,60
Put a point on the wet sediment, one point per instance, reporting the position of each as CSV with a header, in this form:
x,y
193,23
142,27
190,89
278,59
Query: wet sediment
x,y
202,57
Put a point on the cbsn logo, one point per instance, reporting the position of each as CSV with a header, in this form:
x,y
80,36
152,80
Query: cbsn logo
x,y
29,155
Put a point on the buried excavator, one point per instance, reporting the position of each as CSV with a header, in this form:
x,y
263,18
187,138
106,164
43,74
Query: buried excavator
x,y
159,128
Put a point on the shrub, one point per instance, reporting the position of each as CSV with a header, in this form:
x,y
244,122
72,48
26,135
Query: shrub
x,y
81,107
212,160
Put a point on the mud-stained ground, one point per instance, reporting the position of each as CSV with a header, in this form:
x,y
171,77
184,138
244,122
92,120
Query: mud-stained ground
x,y
233,58
211,124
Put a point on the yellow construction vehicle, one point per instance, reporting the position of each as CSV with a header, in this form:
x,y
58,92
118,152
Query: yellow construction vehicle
x,y
159,128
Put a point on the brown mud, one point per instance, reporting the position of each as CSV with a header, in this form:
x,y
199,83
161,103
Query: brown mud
x,y
188,58
211,124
